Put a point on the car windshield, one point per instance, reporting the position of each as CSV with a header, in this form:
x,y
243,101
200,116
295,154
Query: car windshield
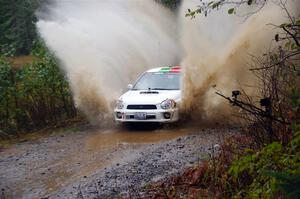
x,y
158,81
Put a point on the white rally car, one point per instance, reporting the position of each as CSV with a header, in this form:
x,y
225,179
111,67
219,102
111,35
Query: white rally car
x,y
155,97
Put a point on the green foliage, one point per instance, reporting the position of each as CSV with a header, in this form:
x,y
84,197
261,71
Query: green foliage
x,y
291,38
34,95
272,171
264,173
7,50
206,7
231,11
289,184
17,26
172,4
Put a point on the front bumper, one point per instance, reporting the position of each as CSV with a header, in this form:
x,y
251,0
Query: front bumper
x,y
157,115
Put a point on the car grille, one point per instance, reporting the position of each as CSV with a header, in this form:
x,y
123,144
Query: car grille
x,y
142,106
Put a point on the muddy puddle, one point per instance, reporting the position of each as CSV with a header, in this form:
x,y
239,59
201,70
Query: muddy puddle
x,y
104,148
114,137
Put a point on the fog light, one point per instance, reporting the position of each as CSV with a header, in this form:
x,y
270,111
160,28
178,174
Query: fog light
x,y
119,115
167,115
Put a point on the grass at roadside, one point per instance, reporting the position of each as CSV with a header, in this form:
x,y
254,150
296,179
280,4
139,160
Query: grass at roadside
x,y
238,171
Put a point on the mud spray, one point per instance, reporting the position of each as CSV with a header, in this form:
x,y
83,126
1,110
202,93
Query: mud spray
x,y
217,54
104,45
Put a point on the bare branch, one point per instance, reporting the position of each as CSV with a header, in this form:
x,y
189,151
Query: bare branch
x,y
277,63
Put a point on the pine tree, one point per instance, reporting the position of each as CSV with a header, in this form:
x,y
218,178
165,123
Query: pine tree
x,y
17,25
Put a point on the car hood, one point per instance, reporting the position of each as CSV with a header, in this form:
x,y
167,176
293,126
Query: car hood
x,y
149,97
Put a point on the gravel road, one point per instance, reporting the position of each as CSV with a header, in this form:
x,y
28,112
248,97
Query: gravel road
x,y
96,163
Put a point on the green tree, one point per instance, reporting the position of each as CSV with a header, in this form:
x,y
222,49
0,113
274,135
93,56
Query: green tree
x,y
35,95
17,26
172,4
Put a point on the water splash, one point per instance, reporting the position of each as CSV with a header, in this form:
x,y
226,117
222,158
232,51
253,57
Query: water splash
x,y
104,45
217,53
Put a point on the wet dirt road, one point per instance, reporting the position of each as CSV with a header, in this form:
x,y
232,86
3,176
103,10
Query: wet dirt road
x,y
39,168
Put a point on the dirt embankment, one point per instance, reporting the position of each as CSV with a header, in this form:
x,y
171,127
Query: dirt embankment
x,y
97,163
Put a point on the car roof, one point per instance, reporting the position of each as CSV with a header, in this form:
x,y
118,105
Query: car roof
x,y
165,69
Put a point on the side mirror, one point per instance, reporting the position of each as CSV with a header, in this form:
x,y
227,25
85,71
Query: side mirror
x,y
129,86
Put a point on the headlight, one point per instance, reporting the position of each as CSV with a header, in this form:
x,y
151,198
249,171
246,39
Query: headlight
x,y
120,104
168,104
